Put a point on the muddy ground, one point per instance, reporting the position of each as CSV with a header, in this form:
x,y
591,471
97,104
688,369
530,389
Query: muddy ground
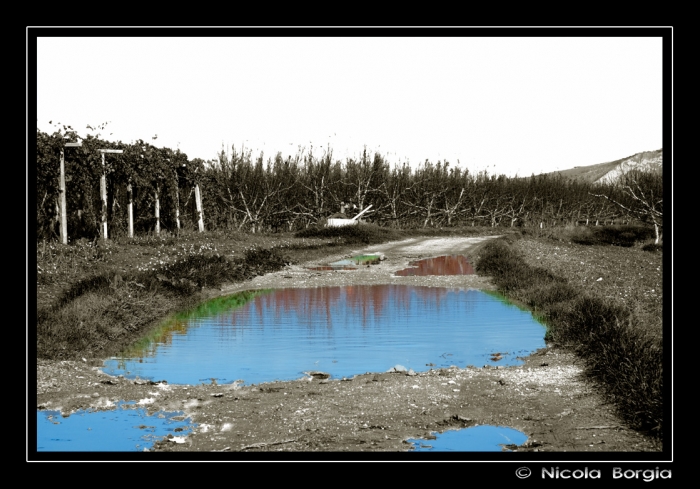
x,y
546,398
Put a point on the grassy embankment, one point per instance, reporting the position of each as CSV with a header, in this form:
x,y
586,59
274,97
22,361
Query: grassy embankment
x,y
599,290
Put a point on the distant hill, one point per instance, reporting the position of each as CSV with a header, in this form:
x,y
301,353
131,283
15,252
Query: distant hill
x,y
609,172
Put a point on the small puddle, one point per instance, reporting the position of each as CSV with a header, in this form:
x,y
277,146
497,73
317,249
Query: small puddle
x,y
124,429
482,438
263,336
349,263
327,268
360,260
441,265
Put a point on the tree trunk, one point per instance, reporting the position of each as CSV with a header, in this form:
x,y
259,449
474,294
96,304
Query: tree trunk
x,y
177,208
198,201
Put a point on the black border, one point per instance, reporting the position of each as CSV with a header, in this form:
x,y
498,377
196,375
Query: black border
x,y
477,462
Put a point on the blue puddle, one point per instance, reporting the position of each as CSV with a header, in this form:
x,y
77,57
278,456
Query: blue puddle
x,y
344,331
124,429
475,439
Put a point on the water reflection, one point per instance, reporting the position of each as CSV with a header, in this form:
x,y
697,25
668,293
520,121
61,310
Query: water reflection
x,y
344,331
441,265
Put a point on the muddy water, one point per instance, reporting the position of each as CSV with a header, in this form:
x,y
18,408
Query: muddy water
x,y
441,265
343,331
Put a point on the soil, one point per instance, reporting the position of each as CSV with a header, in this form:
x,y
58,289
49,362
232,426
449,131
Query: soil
x,y
547,397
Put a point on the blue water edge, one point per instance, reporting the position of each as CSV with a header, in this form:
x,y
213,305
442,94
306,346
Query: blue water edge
x,y
123,429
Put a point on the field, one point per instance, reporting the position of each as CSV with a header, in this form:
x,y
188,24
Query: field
x,y
94,299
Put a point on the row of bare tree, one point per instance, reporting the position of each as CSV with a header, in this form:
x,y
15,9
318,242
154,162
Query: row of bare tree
x,y
292,193
254,194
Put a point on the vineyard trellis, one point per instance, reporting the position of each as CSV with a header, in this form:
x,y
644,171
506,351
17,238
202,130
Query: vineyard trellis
x,y
142,188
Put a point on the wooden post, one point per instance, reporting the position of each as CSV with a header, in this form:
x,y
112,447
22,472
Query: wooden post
x,y
198,202
103,193
157,211
131,210
177,197
62,202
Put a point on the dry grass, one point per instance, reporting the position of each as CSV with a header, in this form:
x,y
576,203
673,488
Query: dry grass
x,y
61,266
628,276
604,302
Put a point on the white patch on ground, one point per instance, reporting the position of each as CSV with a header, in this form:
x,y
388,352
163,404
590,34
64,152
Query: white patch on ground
x,y
191,404
557,376
145,401
432,246
103,403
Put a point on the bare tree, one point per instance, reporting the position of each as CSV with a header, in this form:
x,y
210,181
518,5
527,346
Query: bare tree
x,y
423,196
453,200
362,176
392,189
639,192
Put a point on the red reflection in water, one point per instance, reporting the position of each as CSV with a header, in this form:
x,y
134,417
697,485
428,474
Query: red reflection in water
x,y
441,265
367,300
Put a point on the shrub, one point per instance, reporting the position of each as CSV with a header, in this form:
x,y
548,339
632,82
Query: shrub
x,y
546,295
498,260
91,284
653,247
625,236
586,317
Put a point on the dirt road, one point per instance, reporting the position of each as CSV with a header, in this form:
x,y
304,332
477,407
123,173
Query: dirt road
x,y
398,256
426,247
546,398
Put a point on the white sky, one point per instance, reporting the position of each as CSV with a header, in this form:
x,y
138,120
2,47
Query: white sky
x,y
508,105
